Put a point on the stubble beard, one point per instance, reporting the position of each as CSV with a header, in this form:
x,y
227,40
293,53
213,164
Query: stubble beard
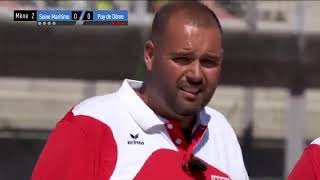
x,y
183,107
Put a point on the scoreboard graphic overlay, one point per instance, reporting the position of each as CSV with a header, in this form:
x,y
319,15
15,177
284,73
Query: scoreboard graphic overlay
x,y
72,17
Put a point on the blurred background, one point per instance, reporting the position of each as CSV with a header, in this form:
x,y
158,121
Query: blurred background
x,y
269,89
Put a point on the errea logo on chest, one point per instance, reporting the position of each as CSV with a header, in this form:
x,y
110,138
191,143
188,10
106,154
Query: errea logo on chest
x,y
135,140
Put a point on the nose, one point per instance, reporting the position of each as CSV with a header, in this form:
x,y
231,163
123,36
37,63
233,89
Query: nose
x,y
195,74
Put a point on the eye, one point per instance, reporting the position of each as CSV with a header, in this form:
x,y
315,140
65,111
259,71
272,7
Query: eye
x,y
182,60
210,63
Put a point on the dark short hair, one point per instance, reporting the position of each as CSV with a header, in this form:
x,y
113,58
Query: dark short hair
x,y
195,12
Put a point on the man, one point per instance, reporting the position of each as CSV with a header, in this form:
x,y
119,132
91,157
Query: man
x,y
308,167
158,129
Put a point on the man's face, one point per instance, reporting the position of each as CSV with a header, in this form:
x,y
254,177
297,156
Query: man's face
x,y
186,66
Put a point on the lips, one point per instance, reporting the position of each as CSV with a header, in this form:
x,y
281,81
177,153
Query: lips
x,y
191,90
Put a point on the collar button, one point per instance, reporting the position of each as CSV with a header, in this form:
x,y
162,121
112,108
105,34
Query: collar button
x,y
169,126
178,141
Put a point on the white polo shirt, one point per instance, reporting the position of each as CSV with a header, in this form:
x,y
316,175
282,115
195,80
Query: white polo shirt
x,y
133,142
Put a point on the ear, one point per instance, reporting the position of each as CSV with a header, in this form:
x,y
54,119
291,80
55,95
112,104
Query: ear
x,y
149,54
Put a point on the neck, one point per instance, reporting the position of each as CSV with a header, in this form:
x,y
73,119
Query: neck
x,y
186,123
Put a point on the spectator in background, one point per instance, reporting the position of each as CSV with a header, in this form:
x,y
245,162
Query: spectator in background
x,y
308,167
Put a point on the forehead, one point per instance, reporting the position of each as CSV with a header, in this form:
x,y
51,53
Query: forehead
x,y
180,31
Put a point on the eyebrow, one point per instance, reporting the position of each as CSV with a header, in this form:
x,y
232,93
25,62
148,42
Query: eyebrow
x,y
186,52
190,53
213,55
182,53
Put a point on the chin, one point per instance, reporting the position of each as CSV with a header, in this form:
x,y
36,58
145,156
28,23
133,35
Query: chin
x,y
187,109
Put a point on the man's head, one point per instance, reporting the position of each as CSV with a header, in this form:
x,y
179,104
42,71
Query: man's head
x,y
194,12
183,59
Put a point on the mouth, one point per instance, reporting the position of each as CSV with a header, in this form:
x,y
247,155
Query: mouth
x,y
190,92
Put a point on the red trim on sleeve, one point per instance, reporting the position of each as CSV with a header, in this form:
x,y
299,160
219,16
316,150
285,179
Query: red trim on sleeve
x,y
308,167
80,147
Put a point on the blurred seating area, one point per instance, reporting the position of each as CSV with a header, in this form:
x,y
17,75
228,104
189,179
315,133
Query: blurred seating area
x,y
270,15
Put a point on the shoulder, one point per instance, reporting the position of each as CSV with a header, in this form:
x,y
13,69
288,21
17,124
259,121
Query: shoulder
x,y
81,126
215,114
316,141
102,108
221,131
75,144
95,104
218,121
226,142
87,119
307,167
314,150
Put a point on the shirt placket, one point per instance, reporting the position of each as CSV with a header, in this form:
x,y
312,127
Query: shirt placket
x,y
181,143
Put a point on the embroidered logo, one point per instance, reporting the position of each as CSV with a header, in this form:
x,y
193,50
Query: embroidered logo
x,y
135,141
134,136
